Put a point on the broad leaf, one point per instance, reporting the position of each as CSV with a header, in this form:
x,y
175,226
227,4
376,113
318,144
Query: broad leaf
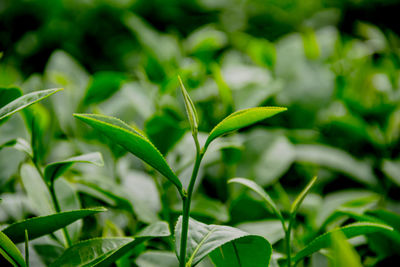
x,y
105,251
133,141
25,101
256,188
43,225
10,252
103,85
227,246
343,253
349,231
56,169
240,119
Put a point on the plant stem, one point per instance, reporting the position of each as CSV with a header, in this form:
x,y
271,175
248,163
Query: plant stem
x,y
53,196
287,239
186,203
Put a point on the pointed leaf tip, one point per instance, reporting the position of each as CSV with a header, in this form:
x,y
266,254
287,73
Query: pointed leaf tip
x,y
241,119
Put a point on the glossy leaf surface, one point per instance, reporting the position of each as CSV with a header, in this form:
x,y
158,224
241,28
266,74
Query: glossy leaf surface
x,y
242,118
131,140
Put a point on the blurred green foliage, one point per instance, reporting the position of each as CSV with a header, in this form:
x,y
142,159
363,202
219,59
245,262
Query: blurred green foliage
x,y
334,64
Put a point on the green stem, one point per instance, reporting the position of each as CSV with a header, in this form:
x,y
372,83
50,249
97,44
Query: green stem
x,y
287,239
186,203
58,209
52,191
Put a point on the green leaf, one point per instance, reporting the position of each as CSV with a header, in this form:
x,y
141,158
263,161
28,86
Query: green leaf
x,y
343,253
10,252
133,141
25,101
240,119
258,189
19,144
54,170
105,251
227,246
103,85
190,109
43,225
297,202
349,231
8,94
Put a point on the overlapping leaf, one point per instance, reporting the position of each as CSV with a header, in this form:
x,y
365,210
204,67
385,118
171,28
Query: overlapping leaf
x,y
10,252
227,246
349,231
105,251
56,169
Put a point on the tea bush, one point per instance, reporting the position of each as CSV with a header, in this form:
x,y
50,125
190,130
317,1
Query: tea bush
x,y
256,133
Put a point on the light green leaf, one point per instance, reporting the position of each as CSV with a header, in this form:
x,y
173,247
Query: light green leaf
x,y
227,246
297,202
19,144
349,231
190,109
43,225
240,119
25,101
10,252
105,251
343,253
133,141
54,170
258,189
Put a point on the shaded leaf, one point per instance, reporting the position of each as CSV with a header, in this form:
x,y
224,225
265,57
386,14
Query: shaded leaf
x,y
103,85
25,101
260,191
240,119
19,144
133,141
349,231
54,170
10,252
43,225
227,246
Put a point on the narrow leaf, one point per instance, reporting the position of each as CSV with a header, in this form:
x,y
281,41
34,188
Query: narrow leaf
x,y
105,251
10,252
54,170
26,248
349,231
240,119
43,225
260,191
227,246
297,202
133,141
190,109
25,101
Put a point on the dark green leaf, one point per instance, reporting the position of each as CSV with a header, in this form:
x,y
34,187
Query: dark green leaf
x,y
103,85
227,246
43,225
25,101
133,141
